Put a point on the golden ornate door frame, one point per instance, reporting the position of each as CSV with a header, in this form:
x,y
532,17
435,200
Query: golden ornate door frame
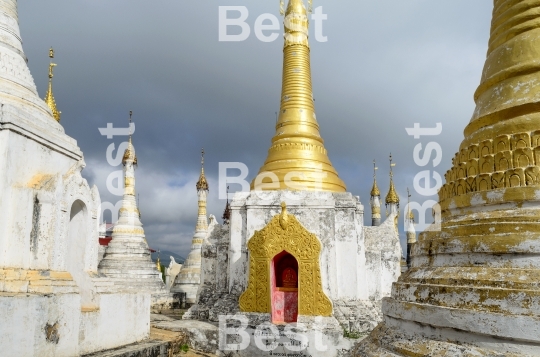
x,y
285,233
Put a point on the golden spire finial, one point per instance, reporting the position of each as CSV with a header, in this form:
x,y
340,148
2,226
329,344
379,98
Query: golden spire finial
x,y
129,154
202,184
49,98
297,156
296,6
375,189
392,196
158,261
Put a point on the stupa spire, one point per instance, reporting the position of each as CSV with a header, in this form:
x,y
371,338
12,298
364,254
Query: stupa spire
x,y
375,189
297,152
188,279
49,97
14,58
202,191
375,200
129,160
227,212
202,184
392,198
16,81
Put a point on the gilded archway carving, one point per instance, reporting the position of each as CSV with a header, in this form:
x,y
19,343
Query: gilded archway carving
x,y
284,232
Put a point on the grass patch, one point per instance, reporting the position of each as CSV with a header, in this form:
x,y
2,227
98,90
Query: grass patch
x,y
352,335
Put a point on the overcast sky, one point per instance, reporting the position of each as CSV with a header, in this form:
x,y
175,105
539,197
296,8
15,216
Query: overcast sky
x,y
387,64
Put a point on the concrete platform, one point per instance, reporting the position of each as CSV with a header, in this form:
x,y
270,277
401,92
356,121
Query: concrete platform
x,y
198,335
149,348
163,342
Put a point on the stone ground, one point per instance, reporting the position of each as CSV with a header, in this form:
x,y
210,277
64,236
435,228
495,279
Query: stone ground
x,y
200,337
169,336
172,313
169,326
192,354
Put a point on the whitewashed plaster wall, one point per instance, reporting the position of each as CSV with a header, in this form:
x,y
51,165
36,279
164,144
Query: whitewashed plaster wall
x,y
25,318
383,258
336,219
120,320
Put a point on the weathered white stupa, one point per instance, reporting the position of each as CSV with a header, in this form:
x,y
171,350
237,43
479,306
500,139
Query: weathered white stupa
x,y
127,258
473,285
53,301
296,249
188,280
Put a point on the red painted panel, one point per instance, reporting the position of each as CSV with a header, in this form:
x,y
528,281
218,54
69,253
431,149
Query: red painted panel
x,y
284,288
291,306
278,307
284,306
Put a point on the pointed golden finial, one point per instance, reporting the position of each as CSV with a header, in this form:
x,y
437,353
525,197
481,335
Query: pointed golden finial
x,y
49,98
282,7
297,158
129,154
158,261
375,189
202,184
392,196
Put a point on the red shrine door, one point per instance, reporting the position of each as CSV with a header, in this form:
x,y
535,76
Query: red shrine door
x,y
284,288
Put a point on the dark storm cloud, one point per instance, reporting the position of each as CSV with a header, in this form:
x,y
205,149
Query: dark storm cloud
x,y
386,65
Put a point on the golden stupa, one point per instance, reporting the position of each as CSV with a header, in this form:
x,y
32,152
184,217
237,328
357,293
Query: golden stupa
x,y
297,152
472,289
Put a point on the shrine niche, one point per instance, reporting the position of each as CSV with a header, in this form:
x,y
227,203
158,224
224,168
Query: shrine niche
x,y
275,248
284,288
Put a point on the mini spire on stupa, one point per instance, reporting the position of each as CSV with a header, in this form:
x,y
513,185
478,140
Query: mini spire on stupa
x,y
297,158
375,200
202,191
189,278
49,97
129,154
202,184
392,198
409,228
227,212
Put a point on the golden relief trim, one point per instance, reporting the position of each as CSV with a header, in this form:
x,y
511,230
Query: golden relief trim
x,y
285,233
506,161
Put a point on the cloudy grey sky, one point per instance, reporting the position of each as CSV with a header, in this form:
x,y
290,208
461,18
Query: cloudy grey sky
x,y
387,65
